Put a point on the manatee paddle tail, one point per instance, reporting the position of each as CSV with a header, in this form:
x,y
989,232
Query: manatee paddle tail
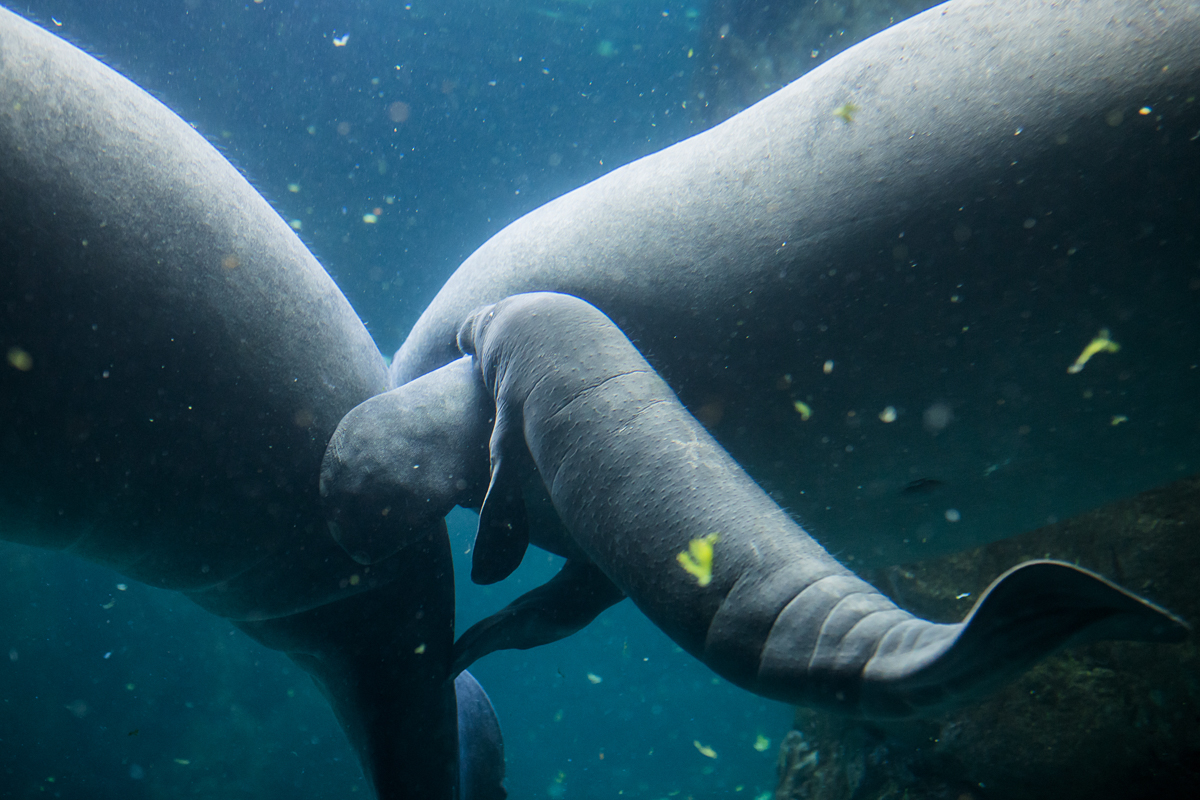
x,y
668,516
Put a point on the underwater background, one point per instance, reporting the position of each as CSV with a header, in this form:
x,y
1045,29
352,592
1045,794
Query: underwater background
x,y
395,138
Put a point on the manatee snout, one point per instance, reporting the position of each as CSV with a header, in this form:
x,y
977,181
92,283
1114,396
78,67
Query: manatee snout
x,y
400,461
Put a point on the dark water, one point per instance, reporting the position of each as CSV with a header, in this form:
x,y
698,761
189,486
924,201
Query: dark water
x,y
444,121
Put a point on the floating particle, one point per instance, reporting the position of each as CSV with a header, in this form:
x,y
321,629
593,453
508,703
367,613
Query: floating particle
x,y
1145,110
296,224
888,414
183,761
846,112
937,417
697,560
1100,344
294,188
420,649
340,41
704,749
952,515
20,359
761,743
399,111
1117,419
370,219
121,587
594,679
827,367
107,606
803,409
129,687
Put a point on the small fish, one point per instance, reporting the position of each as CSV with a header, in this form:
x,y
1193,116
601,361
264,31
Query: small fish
x,y
697,560
922,486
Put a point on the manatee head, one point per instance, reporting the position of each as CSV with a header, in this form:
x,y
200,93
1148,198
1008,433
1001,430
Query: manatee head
x,y
400,461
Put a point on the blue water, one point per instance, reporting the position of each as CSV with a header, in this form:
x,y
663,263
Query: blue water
x,y
443,122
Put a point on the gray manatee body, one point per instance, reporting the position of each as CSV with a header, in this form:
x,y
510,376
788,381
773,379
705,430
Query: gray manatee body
x,y
176,362
639,482
990,199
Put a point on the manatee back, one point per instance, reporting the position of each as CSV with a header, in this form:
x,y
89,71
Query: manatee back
x,y
948,249
176,358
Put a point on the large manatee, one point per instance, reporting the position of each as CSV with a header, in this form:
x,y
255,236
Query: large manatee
x,y
942,287
176,362
872,284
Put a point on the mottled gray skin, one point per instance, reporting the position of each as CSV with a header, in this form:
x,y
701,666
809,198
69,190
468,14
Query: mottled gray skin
x,y
996,200
636,479
398,463
177,362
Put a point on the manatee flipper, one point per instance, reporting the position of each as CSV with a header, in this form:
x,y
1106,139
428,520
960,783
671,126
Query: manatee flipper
x,y
639,483
399,462
503,534
480,745
558,608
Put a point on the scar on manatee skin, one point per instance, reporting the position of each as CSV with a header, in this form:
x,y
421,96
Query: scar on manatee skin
x,y
846,112
697,560
1100,344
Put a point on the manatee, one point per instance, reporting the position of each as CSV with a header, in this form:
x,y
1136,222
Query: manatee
x,y
176,364
673,522
888,297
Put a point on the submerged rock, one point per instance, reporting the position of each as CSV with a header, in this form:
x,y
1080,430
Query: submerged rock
x,y
1114,719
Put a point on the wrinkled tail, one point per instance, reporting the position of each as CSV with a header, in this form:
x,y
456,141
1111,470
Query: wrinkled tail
x,y
1027,613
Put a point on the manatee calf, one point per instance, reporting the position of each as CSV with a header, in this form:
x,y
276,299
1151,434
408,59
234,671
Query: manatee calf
x,y
176,362
662,510
875,310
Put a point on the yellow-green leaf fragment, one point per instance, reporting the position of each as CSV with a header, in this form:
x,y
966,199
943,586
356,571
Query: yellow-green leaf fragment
x,y
846,112
697,560
1101,344
704,749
